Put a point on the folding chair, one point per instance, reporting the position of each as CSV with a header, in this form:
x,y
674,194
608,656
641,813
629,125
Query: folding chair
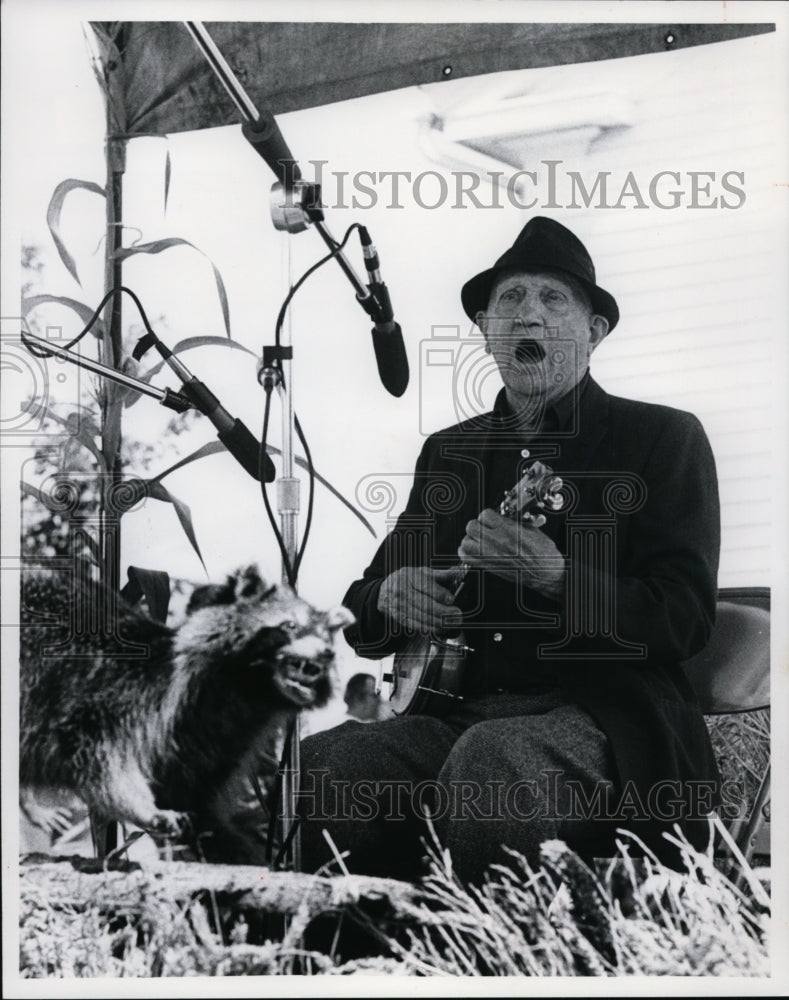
x,y
732,675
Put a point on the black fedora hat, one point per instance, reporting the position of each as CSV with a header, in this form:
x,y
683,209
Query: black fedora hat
x,y
542,243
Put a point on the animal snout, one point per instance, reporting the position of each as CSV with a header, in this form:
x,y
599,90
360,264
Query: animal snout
x,y
309,647
306,668
311,669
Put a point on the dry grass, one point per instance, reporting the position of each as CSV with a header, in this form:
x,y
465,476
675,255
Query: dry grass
x,y
741,743
634,918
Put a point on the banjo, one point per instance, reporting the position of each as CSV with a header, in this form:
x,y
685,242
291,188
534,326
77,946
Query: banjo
x,y
428,671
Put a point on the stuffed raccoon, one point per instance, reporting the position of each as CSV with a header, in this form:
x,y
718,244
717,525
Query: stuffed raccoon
x,y
158,726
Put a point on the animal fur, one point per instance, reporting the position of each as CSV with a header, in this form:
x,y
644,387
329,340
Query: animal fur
x,y
165,740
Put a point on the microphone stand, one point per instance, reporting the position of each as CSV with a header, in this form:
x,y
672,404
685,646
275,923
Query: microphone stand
x,y
289,505
296,205
269,143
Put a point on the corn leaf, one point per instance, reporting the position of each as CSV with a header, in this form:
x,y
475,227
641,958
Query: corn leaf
x,y
130,396
54,212
73,425
214,447
84,312
158,246
189,342
325,482
167,174
32,491
156,491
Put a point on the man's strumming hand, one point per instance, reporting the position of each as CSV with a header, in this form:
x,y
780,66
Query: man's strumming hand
x,y
420,599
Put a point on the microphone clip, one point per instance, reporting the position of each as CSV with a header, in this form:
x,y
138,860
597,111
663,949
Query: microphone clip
x,y
295,208
380,304
269,368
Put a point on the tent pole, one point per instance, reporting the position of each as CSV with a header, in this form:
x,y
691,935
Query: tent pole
x,y
106,836
113,352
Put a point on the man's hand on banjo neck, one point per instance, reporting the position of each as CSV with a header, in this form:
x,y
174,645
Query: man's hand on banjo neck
x,y
421,599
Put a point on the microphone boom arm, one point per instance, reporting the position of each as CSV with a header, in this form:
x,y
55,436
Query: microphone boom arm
x,y
263,134
173,400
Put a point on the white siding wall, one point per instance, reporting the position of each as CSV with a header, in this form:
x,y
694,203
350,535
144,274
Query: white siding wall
x,y
697,288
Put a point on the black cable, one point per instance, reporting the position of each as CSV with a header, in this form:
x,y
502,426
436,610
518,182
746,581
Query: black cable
x,y
41,352
338,247
310,495
292,572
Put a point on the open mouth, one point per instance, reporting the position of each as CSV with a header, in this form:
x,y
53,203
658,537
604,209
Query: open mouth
x,y
297,678
529,352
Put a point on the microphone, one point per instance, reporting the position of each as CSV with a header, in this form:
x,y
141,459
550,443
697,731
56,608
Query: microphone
x,y
233,434
388,343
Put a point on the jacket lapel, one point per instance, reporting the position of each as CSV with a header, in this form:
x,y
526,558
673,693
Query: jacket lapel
x,y
578,451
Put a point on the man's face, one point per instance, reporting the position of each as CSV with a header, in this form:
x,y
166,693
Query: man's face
x,y
541,332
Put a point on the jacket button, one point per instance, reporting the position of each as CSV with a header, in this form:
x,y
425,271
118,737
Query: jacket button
x,y
497,636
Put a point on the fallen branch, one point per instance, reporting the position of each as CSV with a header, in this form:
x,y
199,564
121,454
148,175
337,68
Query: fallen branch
x,y
79,882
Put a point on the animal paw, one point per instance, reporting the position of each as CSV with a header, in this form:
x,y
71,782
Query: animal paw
x,y
168,823
54,820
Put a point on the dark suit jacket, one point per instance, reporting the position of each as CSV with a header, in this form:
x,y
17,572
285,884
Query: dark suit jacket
x,y
641,535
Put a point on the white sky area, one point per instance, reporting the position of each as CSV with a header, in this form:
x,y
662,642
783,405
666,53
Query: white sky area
x,y
218,199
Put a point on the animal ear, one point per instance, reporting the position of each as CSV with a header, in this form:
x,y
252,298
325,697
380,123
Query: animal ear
x,y
212,594
251,583
339,617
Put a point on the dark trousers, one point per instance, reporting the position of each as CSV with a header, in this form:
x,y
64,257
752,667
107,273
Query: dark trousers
x,y
506,770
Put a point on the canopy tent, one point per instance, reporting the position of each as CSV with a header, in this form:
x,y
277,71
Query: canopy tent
x,y
159,82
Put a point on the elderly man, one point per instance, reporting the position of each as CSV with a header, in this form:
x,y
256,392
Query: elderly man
x,y
574,717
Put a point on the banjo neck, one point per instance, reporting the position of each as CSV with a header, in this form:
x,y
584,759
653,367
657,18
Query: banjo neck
x,y
538,489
